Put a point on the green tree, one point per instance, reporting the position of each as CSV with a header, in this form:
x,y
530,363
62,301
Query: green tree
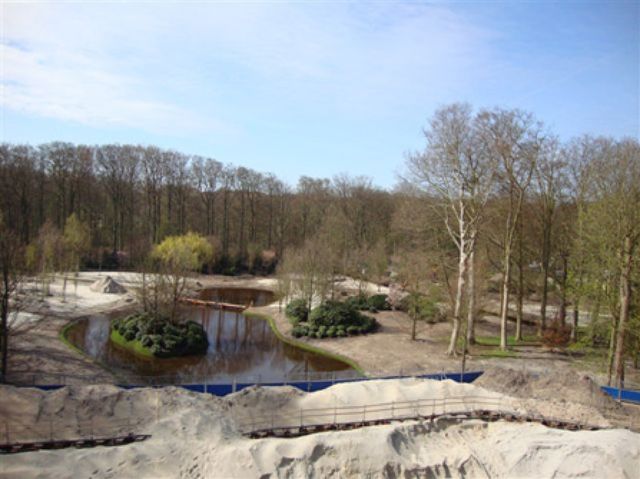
x,y
178,257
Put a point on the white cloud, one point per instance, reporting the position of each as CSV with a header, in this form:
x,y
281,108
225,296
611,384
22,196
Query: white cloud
x,y
163,67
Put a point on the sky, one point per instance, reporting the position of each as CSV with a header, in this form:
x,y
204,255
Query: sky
x,y
310,88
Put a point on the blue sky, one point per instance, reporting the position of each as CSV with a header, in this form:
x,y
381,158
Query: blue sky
x,y
310,88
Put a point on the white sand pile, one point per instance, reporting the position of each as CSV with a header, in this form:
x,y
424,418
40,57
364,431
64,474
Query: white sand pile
x,y
196,435
108,285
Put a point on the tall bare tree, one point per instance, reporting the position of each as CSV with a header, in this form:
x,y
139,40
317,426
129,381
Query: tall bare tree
x,y
459,174
512,139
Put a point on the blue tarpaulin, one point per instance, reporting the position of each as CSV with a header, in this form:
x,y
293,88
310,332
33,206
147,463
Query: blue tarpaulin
x,y
627,395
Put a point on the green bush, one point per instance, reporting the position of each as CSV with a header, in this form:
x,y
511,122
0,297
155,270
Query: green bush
x,y
378,302
297,311
335,313
336,319
422,307
359,302
161,337
300,330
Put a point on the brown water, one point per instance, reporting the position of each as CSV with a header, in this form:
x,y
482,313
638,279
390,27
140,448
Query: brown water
x,y
240,348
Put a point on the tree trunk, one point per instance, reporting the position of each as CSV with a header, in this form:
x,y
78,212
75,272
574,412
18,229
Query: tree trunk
x,y
576,317
563,292
546,254
471,314
504,307
457,308
520,298
612,341
4,312
625,300
413,327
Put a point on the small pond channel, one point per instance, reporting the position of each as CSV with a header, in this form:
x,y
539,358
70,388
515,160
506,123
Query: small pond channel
x,y
240,348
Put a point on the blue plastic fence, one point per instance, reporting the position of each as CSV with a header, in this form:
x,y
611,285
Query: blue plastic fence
x,y
627,395
309,386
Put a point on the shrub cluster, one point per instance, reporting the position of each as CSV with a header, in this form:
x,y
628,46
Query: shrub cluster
x,y
333,319
375,303
422,307
162,337
297,311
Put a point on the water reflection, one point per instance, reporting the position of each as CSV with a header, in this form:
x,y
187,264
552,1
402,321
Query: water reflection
x,y
239,347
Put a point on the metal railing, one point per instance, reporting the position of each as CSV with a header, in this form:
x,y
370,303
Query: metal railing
x,y
51,429
312,419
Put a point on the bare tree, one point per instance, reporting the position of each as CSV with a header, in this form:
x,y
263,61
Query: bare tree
x,y
550,183
512,139
460,176
11,258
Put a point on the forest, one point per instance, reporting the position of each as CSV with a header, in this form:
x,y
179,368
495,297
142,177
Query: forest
x,y
495,204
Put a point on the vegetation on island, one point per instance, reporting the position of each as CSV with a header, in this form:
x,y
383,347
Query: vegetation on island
x,y
159,337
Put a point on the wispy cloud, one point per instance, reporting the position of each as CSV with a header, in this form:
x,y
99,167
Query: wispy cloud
x,y
167,67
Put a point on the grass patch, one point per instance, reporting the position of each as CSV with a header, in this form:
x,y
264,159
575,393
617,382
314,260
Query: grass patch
x,y
497,353
304,346
133,345
527,340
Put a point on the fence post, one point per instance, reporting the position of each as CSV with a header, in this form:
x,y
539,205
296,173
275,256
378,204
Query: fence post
x,y
364,414
51,429
6,431
393,413
300,417
233,387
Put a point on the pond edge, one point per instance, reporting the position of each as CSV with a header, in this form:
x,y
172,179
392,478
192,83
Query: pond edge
x,y
302,345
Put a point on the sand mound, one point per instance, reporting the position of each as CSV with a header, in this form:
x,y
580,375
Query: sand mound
x,y
107,285
195,436
563,386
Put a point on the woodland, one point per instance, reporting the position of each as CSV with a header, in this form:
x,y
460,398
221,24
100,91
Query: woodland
x,y
494,204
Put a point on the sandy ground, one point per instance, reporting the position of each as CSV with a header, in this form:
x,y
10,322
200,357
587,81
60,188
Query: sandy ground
x,y
392,351
198,436
40,353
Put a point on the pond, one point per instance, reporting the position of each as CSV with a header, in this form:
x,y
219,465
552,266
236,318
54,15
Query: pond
x,y
241,348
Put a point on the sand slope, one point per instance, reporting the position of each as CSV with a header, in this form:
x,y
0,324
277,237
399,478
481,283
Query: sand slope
x,y
195,435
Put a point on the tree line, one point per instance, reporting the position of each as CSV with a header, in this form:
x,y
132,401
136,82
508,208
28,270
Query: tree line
x,y
132,197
